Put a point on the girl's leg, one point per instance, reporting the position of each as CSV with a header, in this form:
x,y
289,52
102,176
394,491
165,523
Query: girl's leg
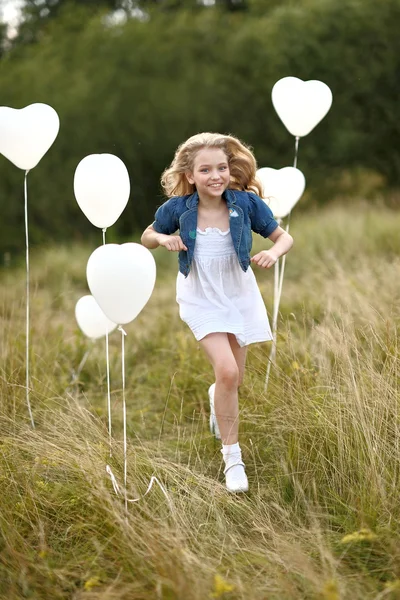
x,y
227,372
228,363
240,354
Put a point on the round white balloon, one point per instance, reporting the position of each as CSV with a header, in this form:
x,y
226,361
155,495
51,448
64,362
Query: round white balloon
x,y
91,319
282,188
121,278
27,133
102,188
301,104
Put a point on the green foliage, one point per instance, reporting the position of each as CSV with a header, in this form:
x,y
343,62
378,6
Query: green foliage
x,y
139,88
36,14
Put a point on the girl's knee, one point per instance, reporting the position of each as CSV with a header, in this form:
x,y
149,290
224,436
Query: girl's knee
x,y
228,374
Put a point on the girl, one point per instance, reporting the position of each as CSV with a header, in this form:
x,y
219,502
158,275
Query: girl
x,y
214,203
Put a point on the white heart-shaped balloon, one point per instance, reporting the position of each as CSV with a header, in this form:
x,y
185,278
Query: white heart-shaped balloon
x,y
301,104
282,188
102,188
91,319
27,133
121,278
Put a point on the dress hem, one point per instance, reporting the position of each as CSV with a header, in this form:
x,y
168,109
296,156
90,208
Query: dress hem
x,y
241,339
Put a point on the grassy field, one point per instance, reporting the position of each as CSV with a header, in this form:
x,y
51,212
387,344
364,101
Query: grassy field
x,y
322,447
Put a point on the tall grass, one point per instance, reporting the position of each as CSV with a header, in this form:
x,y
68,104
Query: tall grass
x,y
322,449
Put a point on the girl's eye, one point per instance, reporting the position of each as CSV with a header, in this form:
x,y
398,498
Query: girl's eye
x,y
223,168
203,170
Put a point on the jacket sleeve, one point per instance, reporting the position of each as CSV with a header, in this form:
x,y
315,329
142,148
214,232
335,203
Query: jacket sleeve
x,y
166,220
261,217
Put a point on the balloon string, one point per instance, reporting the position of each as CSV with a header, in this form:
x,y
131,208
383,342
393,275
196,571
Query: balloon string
x,y
274,320
118,491
283,268
278,285
296,151
123,334
114,482
108,395
27,300
108,375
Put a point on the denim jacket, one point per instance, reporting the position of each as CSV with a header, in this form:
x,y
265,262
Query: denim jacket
x,y
247,212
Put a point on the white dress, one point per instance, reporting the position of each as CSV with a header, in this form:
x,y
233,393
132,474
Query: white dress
x,y
217,295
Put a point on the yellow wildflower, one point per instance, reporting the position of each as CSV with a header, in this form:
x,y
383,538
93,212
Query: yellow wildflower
x,y
330,590
42,484
393,586
359,536
91,583
221,587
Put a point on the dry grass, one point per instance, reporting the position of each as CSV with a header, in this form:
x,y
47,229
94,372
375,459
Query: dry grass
x,y
321,520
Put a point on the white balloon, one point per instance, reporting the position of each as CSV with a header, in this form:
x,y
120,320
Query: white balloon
x,y
91,319
27,133
102,188
121,278
282,188
301,104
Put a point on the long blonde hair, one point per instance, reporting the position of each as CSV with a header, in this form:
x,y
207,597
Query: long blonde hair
x,y
242,164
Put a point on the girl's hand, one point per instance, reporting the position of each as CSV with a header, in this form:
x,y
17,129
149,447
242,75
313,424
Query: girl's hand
x,y
173,243
265,259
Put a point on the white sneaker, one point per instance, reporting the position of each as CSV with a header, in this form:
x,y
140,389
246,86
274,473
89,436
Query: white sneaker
x,y
236,478
213,419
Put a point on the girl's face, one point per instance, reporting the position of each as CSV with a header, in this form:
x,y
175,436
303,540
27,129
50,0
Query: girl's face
x,y
210,173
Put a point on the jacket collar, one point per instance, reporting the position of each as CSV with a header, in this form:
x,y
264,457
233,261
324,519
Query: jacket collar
x,y
229,195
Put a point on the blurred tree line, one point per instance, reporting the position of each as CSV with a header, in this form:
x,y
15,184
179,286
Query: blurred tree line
x,y
136,78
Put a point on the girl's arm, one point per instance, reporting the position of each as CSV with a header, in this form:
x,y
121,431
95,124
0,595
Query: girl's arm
x,y
152,239
149,238
283,241
165,221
